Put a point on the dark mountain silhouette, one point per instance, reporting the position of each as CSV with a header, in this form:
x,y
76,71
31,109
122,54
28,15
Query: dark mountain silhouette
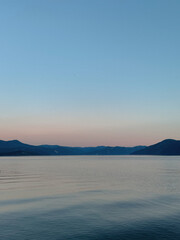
x,y
100,150
17,148
166,147
115,150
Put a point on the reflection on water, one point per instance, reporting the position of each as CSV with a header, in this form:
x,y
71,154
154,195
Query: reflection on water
x,y
90,197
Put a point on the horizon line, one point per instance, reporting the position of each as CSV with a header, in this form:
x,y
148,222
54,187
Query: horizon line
x,y
86,146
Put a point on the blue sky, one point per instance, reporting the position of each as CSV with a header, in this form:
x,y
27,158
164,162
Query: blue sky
x,y
86,72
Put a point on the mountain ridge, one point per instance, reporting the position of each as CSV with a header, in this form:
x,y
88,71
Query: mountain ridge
x,y
165,147
17,148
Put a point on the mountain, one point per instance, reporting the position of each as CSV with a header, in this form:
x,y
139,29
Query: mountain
x,y
100,150
115,150
166,147
17,148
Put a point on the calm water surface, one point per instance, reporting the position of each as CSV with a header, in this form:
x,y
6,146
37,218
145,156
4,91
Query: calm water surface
x,y
90,197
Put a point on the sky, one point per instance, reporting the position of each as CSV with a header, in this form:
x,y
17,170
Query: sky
x,y
89,72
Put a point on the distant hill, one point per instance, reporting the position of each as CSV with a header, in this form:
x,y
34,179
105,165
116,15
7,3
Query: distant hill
x,y
100,150
166,147
17,148
115,150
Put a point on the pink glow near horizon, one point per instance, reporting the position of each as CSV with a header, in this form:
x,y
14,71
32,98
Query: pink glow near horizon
x,y
86,138
83,132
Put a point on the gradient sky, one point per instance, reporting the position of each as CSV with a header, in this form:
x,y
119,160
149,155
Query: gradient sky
x,y
90,72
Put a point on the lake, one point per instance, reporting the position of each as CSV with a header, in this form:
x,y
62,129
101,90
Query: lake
x,y
90,197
